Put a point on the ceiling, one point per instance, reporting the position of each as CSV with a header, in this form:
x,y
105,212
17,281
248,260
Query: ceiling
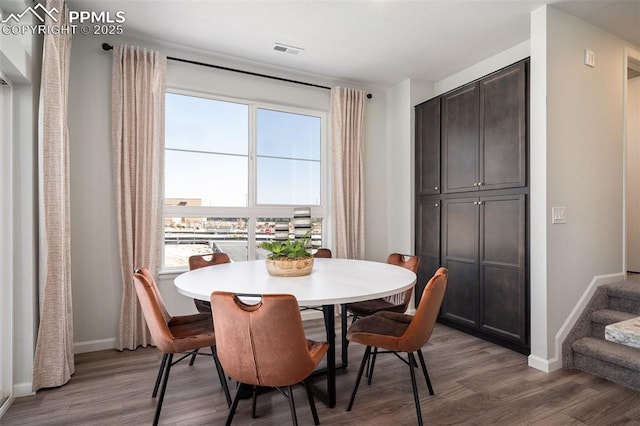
x,y
378,43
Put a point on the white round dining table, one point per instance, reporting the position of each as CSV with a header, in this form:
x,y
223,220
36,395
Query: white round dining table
x,y
331,282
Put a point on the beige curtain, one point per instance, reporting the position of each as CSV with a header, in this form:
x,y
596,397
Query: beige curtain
x,y
139,85
53,363
347,138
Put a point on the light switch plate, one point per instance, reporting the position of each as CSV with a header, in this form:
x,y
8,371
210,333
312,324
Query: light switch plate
x,y
558,215
589,58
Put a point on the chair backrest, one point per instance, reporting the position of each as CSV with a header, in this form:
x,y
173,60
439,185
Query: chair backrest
x,y
154,310
154,287
262,344
421,327
199,260
410,262
323,253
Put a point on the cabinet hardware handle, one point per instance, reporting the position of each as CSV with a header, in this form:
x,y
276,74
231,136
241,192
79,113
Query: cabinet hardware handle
x,y
435,205
475,183
436,188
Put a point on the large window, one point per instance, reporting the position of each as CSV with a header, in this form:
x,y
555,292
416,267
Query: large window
x,y
233,169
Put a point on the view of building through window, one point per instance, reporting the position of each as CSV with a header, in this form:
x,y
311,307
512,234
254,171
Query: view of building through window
x,y
221,197
186,236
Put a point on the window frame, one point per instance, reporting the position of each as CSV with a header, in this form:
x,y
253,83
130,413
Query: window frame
x,y
254,211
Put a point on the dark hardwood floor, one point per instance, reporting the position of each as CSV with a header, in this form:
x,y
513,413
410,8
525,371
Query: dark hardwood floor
x,y
475,382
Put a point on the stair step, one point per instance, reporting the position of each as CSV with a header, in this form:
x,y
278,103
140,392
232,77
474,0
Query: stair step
x,y
624,356
628,289
600,319
617,363
624,296
609,316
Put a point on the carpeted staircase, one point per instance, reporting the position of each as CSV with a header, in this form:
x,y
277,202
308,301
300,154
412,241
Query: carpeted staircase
x,y
586,349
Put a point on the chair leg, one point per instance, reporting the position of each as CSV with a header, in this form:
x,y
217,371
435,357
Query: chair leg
x,y
292,406
234,405
371,363
343,328
254,401
159,378
163,388
193,357
424,371
365,357
312,404
416,399
221,375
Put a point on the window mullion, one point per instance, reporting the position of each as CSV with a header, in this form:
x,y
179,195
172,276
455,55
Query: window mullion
x,y
251,202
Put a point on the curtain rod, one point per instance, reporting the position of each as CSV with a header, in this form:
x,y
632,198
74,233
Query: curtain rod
x,y
106,46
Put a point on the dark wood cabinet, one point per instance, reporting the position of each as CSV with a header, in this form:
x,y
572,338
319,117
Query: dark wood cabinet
x,y
428,149
428,244
484,133
475,222
460,248
503,130
483,246
460,138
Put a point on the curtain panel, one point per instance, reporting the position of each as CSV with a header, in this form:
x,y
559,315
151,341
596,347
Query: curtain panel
x,y
53,362
347,110
138,97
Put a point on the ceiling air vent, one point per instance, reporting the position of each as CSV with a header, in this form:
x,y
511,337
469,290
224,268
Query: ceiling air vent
x,y
279,47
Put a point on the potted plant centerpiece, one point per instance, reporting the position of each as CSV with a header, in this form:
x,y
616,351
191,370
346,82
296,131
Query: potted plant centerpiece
x,y
288,258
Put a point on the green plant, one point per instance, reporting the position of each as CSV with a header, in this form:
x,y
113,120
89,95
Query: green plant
x,y
290,249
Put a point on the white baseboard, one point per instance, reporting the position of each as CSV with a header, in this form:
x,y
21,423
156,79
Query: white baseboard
x,y
23,389
580,306
104,344
542,364
555,363
94,345
5,406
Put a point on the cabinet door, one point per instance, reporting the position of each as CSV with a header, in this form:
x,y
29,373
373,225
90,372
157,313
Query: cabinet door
x,y
502,267
460,255
503,129
460,133
428,147
428,248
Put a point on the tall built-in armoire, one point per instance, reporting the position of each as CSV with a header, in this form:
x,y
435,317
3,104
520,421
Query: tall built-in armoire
x,y
471,204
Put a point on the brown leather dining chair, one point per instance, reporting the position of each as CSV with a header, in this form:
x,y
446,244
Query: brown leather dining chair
x,y
395,303
323,253
173,334
200,261
397,332
264,344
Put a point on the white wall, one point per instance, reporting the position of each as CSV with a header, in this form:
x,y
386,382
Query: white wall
x,y
479,70
399,165
398,177
94,260
19,64
633,174
538,190
580,125
376,173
